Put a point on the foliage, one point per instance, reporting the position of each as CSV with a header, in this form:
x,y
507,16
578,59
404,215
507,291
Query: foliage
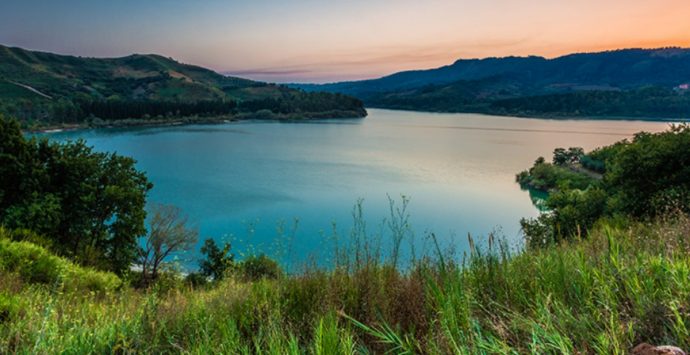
x,y
572,213
217,261
121,109
593,164
34,264
196,279
651,175
169,234
646,102
9,307
625,284
598,159
90,204
301,102
259,267
644,178
544,176
572,155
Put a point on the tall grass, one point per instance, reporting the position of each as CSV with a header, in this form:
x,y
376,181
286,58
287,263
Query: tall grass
x,y
626,283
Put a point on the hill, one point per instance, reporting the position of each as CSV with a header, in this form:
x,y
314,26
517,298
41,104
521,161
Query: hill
x,y
583,84
51,88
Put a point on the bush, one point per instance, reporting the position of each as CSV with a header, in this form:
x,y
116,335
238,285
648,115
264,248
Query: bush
x,y
646,178
27,235
259,267
196,279
217,262
593,164
545,177
35,264
169,280
80,278
9,307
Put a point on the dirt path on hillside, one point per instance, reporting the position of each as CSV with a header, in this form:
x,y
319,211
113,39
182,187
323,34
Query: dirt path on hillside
x,y
31,89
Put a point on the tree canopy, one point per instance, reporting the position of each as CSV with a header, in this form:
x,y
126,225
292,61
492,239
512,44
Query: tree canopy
x,y
90,204
645,178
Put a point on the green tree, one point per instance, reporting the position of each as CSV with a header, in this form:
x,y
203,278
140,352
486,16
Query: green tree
x,y
561,156
218,260
16,163
651,175
259,267
90,204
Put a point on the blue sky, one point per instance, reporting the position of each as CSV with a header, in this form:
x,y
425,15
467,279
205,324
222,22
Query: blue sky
x,y
306,40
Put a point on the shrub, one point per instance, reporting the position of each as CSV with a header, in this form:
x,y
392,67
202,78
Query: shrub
x,y
35,264
259,267
9,307
196,279
27,235
218,261
80,278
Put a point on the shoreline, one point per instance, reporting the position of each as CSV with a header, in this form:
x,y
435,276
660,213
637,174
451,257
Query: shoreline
x,y
127,123
124,123
555,117
182,121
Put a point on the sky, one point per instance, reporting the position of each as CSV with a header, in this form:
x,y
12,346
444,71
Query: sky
x,y
326,41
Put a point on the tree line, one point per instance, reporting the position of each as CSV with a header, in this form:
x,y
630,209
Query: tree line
x,y
650,102
82,109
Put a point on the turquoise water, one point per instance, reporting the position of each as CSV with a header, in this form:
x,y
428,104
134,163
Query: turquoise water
x,y
247,182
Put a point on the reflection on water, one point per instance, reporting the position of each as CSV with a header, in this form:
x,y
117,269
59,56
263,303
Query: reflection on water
x,y
239,180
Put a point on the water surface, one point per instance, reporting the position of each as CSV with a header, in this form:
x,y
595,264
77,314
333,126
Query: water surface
x,y
242,181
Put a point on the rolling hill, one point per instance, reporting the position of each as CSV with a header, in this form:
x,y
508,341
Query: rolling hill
x,y
645,83
46,87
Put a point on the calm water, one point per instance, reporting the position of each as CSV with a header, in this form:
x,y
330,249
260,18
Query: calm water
x,y
242,181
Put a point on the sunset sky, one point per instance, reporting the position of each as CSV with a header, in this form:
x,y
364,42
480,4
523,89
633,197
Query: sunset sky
x,y
321,41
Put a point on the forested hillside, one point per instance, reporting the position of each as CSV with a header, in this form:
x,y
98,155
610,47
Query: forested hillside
x,y
647,83
46,88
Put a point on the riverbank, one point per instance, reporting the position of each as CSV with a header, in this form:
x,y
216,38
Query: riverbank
x,y
130,123
162,122
537,115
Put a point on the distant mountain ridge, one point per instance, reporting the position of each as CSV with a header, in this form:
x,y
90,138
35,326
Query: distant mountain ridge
x,y
50,87
481,85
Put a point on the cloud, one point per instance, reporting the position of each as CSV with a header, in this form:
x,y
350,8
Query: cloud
x,y
373,62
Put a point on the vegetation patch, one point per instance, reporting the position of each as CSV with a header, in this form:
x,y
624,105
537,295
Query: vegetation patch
x,y
36,265
645,178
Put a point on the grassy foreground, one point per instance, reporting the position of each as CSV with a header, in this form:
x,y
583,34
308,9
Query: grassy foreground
x,y
625,284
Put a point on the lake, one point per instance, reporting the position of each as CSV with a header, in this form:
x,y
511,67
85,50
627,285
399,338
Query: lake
x,y
249,182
